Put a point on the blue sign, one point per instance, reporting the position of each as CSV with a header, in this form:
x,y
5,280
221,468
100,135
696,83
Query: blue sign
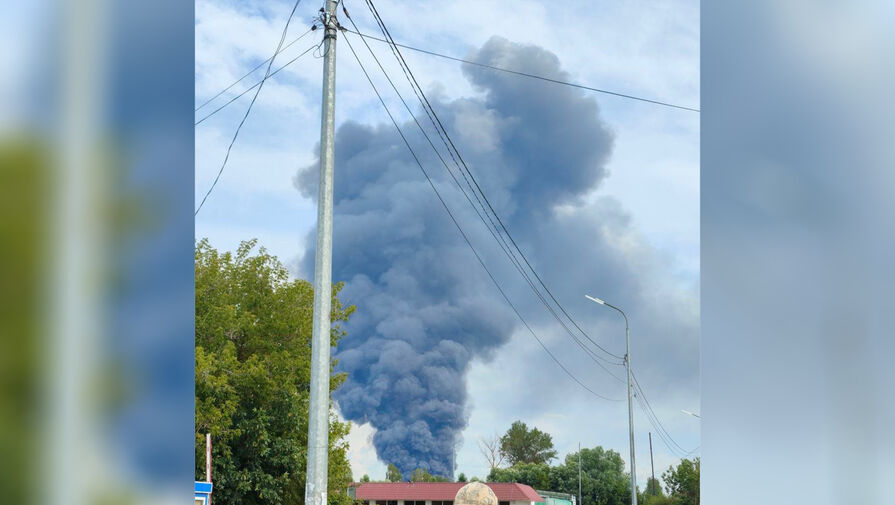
x,y
203,493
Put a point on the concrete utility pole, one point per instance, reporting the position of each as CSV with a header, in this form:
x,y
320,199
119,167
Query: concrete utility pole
x,y
630,394
652,467
630,408
318,405
579,474
208,457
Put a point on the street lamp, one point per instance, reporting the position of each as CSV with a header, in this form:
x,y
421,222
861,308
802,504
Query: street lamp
x,y
691,413
630,407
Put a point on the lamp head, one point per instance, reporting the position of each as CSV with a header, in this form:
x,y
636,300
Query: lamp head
x,y
591,298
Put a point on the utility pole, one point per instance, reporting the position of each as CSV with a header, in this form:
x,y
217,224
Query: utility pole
x,y
208,457
651,466
208,462
630,393
630,409
579,474
318,404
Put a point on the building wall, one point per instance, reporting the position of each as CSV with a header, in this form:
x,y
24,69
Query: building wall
x,y
556,499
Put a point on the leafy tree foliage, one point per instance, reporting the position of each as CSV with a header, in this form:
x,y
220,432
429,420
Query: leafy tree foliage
x,y
653,487
253,331
521,445
461,477
365,478
683,482
423,475
392,474
652,494
659,499
603,477
536,475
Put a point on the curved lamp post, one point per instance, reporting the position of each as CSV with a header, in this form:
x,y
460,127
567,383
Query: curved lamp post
x,y
630,407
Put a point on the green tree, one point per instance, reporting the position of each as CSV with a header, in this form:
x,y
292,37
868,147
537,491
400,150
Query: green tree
x,y
420,475
682,482
392,474
659,499
603,477
536,475
365,478
653,487
253,330
521,445
461,477
423,475
653,494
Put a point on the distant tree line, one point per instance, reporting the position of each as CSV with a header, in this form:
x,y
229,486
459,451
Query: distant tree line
x,y
603,478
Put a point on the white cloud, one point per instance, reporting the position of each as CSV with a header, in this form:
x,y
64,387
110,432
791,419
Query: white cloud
x,y
362,454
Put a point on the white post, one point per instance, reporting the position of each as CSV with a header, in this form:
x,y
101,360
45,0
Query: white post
x,y
208,457
318,404
630,393
630,412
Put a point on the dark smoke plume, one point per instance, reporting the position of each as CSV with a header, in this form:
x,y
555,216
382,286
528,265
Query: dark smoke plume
x,y
425,307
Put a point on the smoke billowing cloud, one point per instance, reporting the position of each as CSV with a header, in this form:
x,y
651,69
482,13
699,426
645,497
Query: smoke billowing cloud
x,y
426,309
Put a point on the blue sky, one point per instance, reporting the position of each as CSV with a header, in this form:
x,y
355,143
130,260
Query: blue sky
x,y
645,49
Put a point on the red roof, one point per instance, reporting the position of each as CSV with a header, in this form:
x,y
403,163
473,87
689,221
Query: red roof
x,y
438,491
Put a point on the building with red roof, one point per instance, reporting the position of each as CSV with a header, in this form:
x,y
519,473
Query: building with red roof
x,y
437,493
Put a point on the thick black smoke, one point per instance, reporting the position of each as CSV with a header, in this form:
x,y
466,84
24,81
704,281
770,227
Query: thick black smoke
x,y
426,309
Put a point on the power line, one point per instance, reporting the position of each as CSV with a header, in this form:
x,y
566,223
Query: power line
x,y
654,420
503,247
237,97
649,407
657,424
249,109
442,131
250,72
462,233
502,243
675,452
533,76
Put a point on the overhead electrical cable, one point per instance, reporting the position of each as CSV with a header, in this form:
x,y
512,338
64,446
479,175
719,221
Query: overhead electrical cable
x,y
501,243
657,424
671,448
532,76
651,413
518,266
250,72
462,233
249,109
465,168
440,127
237,97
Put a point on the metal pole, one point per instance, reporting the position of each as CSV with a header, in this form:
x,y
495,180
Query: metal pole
x,y
630,393
318,405
579,474
630,408
208,457
651,465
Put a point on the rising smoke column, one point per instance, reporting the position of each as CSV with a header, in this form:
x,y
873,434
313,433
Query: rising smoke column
x,y
425,307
